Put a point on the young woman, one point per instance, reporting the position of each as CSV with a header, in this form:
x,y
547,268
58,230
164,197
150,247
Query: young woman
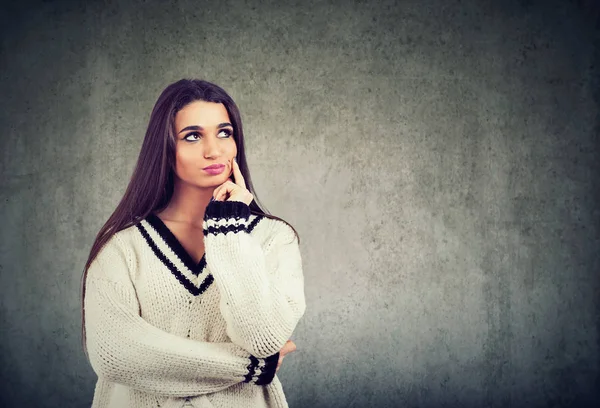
x,y
191,291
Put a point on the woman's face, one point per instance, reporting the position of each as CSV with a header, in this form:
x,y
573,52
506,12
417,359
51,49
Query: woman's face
x,y
204,136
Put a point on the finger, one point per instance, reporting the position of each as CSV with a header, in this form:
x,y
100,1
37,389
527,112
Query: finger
x,y
220,193
217,192
291,345
237,175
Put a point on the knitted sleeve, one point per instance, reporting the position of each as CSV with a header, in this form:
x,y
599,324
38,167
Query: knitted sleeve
x,y
124,348
262,290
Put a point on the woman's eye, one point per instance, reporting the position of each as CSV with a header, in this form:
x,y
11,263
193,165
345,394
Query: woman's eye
x,y
191,134
226,131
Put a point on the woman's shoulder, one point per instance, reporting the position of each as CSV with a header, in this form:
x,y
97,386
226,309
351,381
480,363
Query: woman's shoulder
x,y
113,260
272,228
125,236
120,242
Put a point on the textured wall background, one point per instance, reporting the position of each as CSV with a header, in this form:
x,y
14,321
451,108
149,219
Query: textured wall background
x,y
438,158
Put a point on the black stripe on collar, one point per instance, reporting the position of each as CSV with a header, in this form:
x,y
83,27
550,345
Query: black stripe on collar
x,y
180,277
254,222
175,245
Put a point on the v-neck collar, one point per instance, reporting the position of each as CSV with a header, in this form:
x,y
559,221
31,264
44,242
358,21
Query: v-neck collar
x,y
175,245
171,253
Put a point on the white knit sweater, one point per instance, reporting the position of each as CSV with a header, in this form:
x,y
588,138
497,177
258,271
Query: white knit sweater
x,y
162,330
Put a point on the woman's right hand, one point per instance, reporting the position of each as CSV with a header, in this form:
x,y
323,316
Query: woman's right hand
x,y
289,347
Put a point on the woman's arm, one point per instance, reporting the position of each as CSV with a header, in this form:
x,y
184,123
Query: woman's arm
x,y
262,291
124,348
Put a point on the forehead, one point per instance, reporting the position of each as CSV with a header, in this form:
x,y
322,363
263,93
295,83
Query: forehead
x,y
201,113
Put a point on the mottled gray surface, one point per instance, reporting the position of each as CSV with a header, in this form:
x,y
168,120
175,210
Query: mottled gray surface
x,y
438,159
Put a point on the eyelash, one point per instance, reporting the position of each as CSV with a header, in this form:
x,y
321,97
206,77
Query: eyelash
x,y
229,134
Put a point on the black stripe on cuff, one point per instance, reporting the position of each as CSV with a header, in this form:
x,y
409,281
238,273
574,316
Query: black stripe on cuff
x,y
251,369
268,371
227,209
225,229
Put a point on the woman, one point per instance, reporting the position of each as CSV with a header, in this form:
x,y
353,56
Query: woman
x,y
191,291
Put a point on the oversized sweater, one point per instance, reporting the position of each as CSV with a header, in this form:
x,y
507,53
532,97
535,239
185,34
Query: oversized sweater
x,y
165,331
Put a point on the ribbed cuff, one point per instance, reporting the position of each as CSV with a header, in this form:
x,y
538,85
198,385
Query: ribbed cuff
x,y
265,373
227,209
251,369
268,371
221,217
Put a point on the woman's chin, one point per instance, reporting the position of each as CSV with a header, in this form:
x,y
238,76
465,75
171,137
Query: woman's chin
x,y
212,181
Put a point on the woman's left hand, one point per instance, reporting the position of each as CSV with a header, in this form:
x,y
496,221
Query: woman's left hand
x,y
234,191
288,347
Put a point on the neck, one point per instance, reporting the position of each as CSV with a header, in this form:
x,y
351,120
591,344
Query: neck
x,y
188,203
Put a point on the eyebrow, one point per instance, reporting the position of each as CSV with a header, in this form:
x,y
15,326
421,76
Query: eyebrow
x,y
196,127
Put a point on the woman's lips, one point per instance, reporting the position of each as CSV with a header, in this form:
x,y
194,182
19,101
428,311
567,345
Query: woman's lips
x,y
215,170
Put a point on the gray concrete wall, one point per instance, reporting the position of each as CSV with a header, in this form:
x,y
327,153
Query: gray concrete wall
x,y
438,158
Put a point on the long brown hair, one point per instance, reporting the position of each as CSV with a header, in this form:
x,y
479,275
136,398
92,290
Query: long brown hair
x,y
151,186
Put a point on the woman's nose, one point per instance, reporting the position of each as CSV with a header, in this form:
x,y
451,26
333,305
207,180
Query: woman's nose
x,y
211,147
